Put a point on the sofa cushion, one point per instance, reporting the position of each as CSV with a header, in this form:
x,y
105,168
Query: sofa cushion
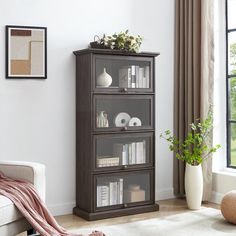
x,y
8,211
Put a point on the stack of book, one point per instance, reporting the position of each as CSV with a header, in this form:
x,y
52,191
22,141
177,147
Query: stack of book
x,y
105,161
134,77
131,153
110,193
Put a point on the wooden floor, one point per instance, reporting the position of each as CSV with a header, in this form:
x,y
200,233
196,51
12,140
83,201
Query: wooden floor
x,y
167,207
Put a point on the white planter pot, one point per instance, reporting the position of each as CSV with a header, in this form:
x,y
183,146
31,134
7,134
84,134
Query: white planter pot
x,y
193,186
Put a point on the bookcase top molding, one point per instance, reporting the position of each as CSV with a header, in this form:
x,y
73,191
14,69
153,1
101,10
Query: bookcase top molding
x,y
115,52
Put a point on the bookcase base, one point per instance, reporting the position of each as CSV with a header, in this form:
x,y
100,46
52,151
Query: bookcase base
x,y
115,213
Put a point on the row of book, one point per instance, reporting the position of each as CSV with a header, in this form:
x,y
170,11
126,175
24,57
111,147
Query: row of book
x,y
110,193
134,77
130,153
105,161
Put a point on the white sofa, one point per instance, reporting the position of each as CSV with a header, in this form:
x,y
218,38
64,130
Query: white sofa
x,y
11,220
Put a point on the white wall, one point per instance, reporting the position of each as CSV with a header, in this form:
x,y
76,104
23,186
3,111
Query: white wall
x,y
37,117
223,182
156,23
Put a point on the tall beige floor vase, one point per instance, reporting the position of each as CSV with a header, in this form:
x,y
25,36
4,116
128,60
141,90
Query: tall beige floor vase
x,y
193,186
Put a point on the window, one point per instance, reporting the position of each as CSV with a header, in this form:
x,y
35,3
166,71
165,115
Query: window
x,y
231,81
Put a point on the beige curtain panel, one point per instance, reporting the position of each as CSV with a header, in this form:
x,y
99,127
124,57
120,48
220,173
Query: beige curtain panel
x,y
194,71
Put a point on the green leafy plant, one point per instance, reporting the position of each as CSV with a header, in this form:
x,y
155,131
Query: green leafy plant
x,y
120,41
194,149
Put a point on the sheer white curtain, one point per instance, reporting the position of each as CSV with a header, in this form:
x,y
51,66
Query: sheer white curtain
x,y
207,80
219,135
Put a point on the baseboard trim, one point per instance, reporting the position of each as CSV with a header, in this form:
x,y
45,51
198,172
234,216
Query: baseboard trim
x,y
67,208
216,197
165,194
61,209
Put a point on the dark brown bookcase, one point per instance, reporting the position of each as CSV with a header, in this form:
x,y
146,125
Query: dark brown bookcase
x,y
115,134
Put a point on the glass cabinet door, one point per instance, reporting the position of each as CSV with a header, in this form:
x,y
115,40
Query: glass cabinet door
x,y
120,73
126,112
123,190
123,150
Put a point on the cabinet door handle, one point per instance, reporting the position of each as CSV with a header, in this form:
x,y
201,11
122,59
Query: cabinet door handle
x,y
124,128
124,90
125,167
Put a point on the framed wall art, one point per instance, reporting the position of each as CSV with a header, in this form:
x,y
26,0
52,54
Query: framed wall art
x,y
26,52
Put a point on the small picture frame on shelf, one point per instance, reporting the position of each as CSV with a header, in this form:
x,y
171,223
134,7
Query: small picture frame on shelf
x,y
26,52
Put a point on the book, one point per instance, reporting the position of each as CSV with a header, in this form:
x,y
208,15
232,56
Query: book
x,y
125,155
118,192
146,75
133,153
144,151
139,152
121,191
99,199
102,195
130,153
105,161
113,189
141,78
110,193
105,195
133,76
125,77
137,79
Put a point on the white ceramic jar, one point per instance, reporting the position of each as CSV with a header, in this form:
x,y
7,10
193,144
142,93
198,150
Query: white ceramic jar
x,y
104,79
193,186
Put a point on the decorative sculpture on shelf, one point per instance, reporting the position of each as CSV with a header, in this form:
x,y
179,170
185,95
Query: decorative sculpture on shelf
x,y
102,120
104,79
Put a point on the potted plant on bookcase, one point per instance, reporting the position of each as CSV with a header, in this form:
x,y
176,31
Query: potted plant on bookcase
x,y
193,150
121,41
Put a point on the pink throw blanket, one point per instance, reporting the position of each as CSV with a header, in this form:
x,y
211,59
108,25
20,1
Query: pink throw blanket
x,y
26,199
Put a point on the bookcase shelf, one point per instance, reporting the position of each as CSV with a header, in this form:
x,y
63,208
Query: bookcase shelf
x,y
115,134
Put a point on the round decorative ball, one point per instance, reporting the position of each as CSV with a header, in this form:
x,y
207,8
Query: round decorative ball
x,y
228,206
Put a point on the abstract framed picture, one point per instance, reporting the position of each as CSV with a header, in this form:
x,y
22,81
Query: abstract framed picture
x,y
26,52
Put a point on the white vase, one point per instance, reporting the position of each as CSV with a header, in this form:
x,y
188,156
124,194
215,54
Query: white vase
x,y
104,79
102,120
193,186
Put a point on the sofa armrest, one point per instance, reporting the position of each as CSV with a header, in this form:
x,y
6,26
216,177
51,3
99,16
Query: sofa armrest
x,y
28,171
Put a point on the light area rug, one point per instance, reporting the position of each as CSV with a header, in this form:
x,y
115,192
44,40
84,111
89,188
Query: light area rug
x,y
204,222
